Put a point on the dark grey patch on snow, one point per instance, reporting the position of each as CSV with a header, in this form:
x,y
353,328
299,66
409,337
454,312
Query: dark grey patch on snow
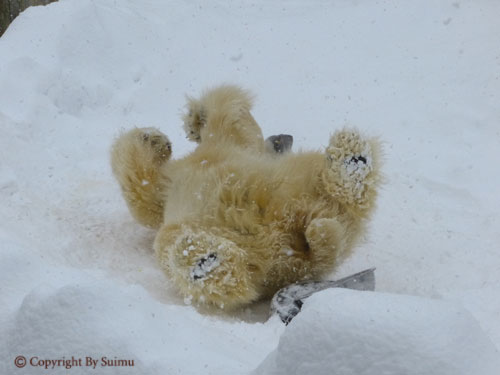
x,y
237,57
287,302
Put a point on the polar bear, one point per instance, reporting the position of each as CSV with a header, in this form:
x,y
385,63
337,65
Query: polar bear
x,y
236,222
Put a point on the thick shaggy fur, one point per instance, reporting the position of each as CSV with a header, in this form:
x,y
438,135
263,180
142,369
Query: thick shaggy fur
x,y
236,222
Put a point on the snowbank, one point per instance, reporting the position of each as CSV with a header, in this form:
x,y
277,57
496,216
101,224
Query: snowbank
x,y
125,331
345,332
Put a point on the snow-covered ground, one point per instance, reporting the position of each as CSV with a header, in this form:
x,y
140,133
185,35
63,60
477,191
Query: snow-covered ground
x,y
78,277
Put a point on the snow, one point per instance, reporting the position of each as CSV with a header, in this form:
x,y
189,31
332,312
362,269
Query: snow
x,y
96,319
379,333
77,275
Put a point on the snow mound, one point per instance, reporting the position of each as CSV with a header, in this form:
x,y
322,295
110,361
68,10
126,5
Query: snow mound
x,y
345,332
124,331
66,324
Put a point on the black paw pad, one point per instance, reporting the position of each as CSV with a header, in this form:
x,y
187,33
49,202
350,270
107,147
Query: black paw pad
x,y
357,159
204,266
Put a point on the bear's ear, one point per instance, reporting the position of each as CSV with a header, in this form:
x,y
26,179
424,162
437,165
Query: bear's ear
x,y
279,144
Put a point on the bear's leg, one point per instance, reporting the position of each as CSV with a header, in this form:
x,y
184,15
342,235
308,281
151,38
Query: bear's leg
x,y
208,269
310,254
352,172
136,160
328,241
222,115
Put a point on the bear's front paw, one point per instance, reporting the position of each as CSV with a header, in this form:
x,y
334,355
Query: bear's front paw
x,y
156,143
350,161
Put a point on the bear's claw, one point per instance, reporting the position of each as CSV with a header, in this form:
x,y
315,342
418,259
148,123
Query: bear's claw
x,y
194,121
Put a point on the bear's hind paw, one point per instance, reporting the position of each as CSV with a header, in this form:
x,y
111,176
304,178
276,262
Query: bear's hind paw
x,y
208,268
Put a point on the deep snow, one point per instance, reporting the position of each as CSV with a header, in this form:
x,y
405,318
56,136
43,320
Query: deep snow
x,y
377,333
78,276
